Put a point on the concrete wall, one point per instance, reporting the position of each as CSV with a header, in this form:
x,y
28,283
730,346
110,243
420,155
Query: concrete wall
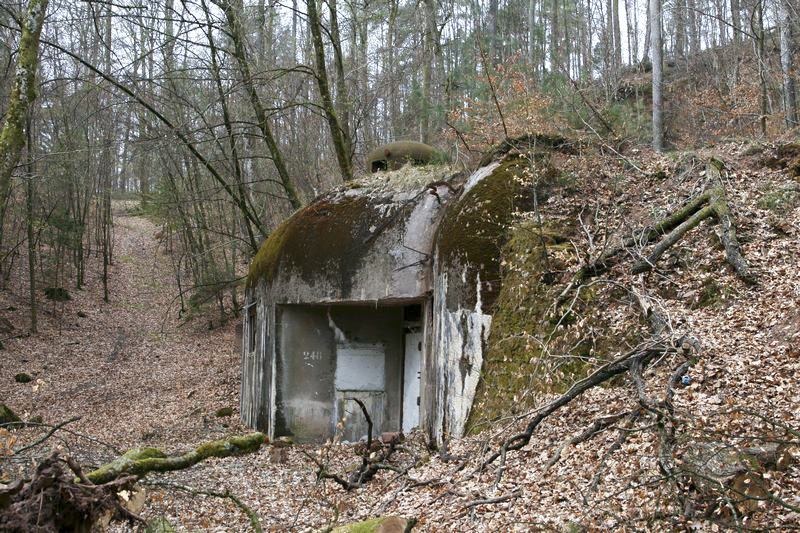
x,y
458,343
255,399
308,340
288,383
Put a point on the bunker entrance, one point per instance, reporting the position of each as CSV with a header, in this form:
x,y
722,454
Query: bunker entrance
x,y
326,356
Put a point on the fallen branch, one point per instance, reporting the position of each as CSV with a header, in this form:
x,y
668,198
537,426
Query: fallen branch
x,y
372,461
489,501
712,202
596,427
140,461
640,356
255,521
47,435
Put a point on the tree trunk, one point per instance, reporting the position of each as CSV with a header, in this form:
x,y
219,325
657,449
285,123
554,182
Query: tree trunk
x,y
531,35
656,46
340,138
342,103
787,62
555,41
23,94
760,36
693,37
242,60
491,32
736,21
29,192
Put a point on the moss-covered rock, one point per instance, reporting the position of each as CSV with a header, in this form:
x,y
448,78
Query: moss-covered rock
x,y
223,411
159,524
7,417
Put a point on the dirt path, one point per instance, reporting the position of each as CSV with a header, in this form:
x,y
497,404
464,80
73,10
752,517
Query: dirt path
x,y
133,372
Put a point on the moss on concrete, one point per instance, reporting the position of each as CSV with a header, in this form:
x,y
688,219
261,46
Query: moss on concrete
x,y
519,323
394,155
329,238
474,230
534,349
323,240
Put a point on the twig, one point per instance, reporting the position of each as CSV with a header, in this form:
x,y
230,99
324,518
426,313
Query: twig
x,y
596,427
255,522
71,432
47,435
623,435
499,499
491,87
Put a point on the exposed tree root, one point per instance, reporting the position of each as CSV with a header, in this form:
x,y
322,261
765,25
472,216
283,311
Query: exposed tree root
x,y
53,500
716,205
712,202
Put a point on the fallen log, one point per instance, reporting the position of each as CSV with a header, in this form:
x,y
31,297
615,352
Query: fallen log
x,y
140,461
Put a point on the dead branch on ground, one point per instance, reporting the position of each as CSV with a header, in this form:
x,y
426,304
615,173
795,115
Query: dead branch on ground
x,y
252,516
373,459
641,355
140,461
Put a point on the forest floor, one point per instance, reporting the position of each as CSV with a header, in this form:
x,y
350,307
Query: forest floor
x,y
138,375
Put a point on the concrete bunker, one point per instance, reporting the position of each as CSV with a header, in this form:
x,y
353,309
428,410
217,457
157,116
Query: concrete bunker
x,y
380,291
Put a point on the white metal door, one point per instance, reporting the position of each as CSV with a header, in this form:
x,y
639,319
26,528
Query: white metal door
x,y
411,381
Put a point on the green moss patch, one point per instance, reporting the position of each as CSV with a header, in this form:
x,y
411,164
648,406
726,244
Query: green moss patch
x,y
474,231
326,239
520,323
533,348
374,525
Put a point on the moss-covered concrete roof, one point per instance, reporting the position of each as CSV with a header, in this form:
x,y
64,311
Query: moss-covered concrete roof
x,y
330,237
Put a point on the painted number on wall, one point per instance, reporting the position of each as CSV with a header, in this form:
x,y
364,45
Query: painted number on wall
x,y
312,355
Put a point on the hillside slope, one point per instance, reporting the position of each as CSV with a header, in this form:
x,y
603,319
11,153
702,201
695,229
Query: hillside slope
x,y
615,458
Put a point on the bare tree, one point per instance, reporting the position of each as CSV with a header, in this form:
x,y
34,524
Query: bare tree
x,y
785,8
341,139
657,50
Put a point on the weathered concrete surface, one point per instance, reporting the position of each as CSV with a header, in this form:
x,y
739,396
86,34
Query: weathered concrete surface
x,y
461,317
370,242
394,156
366,242
333,280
